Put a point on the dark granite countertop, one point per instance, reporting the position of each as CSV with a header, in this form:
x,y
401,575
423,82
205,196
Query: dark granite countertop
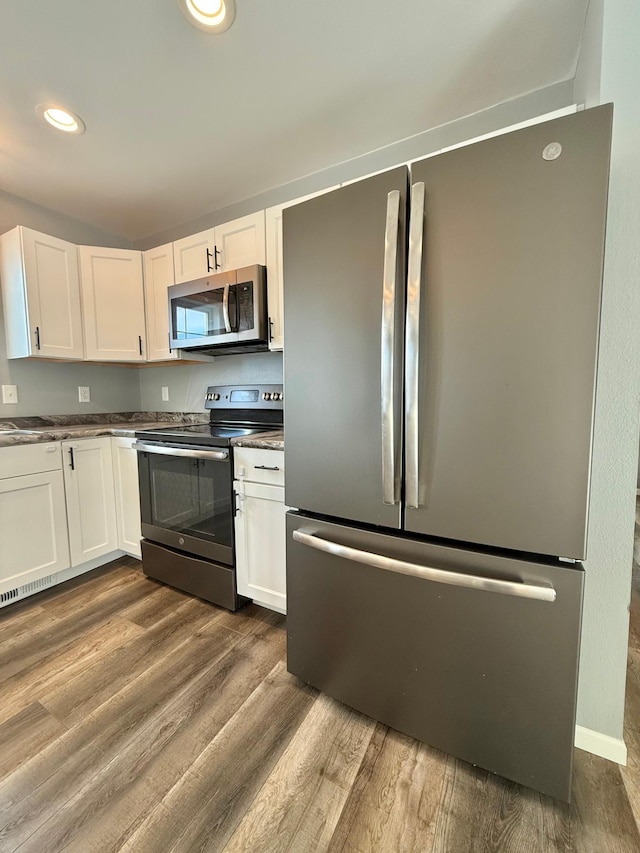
x,y
65,427
33,430
273,440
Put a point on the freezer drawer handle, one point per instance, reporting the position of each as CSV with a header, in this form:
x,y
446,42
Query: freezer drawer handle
x,y
387,395
168,450
378,561
412,345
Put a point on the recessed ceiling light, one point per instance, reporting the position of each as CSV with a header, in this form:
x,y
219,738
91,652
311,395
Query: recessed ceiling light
x,y
60,118
212,16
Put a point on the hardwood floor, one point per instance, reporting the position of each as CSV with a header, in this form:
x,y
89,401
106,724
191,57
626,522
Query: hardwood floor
x,y
135,718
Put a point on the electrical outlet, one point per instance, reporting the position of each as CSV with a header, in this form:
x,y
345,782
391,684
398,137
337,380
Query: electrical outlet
x,y
84,394
165,394
9,393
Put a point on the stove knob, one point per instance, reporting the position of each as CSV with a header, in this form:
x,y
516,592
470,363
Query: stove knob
x,y
266,396
277,396
215,396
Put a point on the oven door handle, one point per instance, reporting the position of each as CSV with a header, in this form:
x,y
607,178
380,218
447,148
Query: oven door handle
x,y
168,450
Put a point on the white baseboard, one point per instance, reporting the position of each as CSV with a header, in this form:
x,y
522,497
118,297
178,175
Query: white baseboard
x,y
606,747
36,580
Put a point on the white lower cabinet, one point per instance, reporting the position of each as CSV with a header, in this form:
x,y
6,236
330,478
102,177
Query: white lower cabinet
x,y
260,526
33,519
127,493
91,511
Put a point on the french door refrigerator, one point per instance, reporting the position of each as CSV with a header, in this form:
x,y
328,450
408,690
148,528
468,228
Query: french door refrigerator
x,y
442,336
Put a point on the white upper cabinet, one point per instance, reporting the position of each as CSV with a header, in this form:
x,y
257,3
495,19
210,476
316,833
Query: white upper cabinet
x,y
113,304
275,278
158,275
194,256
240,243
235,244
41,295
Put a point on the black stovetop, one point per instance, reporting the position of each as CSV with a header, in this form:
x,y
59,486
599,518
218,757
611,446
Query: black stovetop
x,y
235,411
211,435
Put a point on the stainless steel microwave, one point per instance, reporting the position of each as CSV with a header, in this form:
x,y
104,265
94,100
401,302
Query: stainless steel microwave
x,y
221,313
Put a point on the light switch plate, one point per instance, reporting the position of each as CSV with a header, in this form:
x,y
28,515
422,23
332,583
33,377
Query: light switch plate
x,y
9,393
165,393
84,394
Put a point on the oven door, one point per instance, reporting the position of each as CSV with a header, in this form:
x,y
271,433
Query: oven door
x,y
186,498
204,313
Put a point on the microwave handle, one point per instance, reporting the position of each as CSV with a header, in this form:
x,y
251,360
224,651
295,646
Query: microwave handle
x,y
225,308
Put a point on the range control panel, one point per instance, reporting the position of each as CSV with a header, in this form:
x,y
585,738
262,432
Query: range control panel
x,y
244,397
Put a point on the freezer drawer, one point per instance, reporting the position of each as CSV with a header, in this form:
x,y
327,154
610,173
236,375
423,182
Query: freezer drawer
x,y
486,674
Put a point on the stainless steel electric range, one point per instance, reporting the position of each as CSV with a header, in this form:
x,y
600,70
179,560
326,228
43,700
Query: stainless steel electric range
x,y
186,491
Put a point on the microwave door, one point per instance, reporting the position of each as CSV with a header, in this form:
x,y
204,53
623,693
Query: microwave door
x,y
251,304
202,316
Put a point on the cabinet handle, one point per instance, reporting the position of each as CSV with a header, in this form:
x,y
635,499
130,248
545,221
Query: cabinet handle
x,y
209,260
270,329
169,338
216,252
267,467
140,343
72,460
38,337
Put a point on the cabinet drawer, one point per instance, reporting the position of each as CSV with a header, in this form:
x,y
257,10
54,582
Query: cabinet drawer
x,y
259,466
30,459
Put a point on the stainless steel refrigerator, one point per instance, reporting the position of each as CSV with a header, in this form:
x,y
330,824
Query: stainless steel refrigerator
x,y
440,362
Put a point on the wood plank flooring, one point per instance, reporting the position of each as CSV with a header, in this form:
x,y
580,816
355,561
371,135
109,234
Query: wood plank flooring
x,y
135,718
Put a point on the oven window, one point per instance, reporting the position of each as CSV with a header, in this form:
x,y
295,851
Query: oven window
x,y
200,316
191,496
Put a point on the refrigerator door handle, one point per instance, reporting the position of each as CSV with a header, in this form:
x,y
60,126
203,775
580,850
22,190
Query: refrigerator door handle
x,y
414,271
387,391
537,592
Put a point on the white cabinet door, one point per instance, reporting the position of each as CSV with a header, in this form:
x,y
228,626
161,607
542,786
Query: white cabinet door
x,y
230,246
275,278
41,293
194,256
260,526
158,275
33,528
127,491
88,479
113,304
260,544
240,243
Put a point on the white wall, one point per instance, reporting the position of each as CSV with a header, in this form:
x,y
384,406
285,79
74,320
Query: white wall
x,y
187,384
611,72
422,144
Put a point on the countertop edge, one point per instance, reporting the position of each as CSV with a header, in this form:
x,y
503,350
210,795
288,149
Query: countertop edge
x,y
265,441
